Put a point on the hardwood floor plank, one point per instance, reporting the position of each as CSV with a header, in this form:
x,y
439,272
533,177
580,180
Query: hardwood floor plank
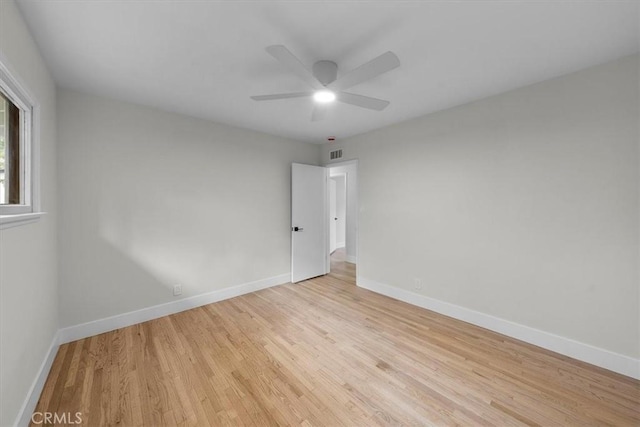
x,y
325,352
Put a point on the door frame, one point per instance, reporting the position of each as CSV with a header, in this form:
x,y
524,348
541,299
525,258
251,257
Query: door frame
x,y
355,202
343,176
332,216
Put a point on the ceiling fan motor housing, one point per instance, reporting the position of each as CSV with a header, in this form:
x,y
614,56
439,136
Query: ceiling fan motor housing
x,y
326,86
325,71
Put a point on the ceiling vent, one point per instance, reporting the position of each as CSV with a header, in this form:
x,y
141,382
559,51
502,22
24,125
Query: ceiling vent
x,y
336,154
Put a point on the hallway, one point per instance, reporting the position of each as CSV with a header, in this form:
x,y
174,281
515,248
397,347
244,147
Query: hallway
x,y
340,268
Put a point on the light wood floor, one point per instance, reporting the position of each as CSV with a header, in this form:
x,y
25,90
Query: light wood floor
x,y
325,352
340,269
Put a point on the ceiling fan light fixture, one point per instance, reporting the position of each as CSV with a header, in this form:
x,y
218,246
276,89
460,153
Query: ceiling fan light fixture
x,y
327,88
324,96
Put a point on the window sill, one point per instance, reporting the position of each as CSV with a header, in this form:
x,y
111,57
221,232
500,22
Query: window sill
x,y
8,221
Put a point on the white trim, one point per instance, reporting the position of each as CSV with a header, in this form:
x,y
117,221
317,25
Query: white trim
x,y
340,245
22,98
30,402
8,221
350,258
336,175
325,234
339,163
100,326
89,329
606,359
34,164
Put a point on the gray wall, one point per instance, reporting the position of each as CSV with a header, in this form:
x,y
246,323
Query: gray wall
x,y
152,199
523,206
28,271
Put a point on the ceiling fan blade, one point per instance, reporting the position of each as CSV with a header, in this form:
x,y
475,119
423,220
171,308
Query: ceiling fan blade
x,y
380,65
288,59
362,101
319,112
281,96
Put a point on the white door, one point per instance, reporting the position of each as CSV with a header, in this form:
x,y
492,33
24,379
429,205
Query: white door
x,y
309,218
332,214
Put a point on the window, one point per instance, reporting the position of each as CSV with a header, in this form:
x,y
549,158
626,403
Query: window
x,y
19,202
10,168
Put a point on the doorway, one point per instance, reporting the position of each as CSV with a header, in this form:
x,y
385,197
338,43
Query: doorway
x,y
321,228
337,212
343,217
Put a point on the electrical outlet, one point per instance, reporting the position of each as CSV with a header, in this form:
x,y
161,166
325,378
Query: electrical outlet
x,y
177,290
417,284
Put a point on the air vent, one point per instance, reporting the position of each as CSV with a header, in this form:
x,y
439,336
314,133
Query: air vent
x,y
336,154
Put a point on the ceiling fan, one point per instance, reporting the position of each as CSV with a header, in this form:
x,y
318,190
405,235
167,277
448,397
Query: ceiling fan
x,y
325,84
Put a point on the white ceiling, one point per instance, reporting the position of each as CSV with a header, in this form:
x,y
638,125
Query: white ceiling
x,y
205,58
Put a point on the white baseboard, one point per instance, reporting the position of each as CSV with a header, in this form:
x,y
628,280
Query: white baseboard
x,y
351,259
596,356
100,326
85,330
615,362
29,405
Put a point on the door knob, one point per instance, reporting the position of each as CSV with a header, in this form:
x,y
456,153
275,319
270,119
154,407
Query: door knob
x,y
297,228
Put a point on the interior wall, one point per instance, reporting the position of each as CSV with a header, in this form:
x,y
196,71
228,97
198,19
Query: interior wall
x,y
349,171
523,206
28,271
152,199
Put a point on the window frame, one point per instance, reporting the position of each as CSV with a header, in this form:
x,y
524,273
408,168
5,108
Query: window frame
x,y
29,210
